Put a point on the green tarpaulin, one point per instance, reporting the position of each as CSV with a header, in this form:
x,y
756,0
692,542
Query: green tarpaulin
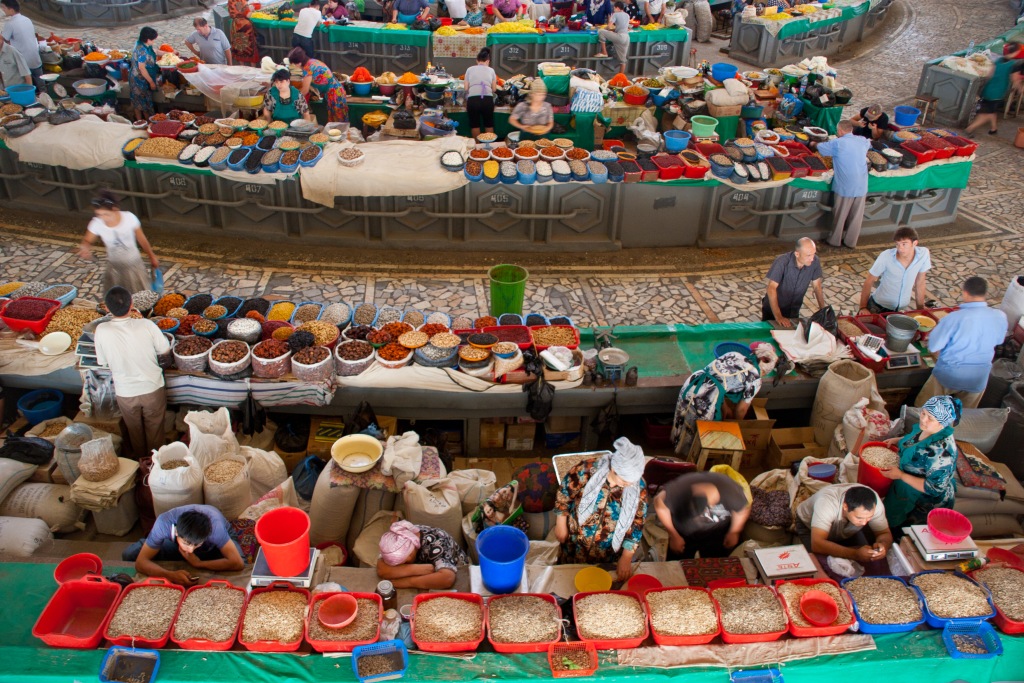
x,y
916,656
792,28
823,117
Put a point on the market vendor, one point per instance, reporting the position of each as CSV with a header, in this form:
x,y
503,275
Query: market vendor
x,y
901,272
414,556
724,388
481,82
308,19
534,116
208,43
13,69
925,479
143,75
284,102
599,12
871,122
197,534
409,11
601,508
508,10
652,10
703,512
616,33
844,520
336,10
318,76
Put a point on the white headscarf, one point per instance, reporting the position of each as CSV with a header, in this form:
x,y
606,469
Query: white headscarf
x,y
628,463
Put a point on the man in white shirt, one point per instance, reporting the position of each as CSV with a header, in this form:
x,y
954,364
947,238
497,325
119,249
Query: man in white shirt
x,y
20,33
900,273
306,23
13,69
131,348
833,522
209,43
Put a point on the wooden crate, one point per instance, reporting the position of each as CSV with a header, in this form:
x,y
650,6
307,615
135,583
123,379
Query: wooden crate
x,y
792,445
756,433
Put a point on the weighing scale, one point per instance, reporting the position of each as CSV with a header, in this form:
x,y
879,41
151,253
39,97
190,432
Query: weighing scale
x,y
262,576
934,550
903,361
784,562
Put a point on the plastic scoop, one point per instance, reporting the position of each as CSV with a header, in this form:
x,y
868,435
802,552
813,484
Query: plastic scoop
x,y
52,344
819,608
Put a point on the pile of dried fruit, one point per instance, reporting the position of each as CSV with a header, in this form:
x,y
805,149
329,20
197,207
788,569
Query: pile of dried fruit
x,y
393,352
71,320
354,350
185,327
270,349
323,333
229,352
192,346
311,355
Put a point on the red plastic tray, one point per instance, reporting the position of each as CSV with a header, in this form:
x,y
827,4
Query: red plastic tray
x,y
575,331
751,637
77,614
922,153
201,643
35,326
154,643
811,631
706,149
271,645
649,176
964,146
695,172
683,640
670,167
558,649
521,647
498,330
466,646
1003,622
341,645
923,336
943,149
796,149
166,129
859,320
798,166
618,643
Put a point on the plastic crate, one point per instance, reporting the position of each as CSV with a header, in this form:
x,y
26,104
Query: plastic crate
x,y
342,645
271,645
1005,623
202,643
976,629
557,650
616,643
964,146
798,167
920,152
129,663
730,638
156,643
706,149
34,326
521,647
383,648
465,646
936,621
64,300
683,640
943,149
670,167
866,627
811,631
77,614
770,675
796,149
575,331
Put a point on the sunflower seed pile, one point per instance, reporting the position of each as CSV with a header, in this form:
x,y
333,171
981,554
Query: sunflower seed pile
x,y
750,610
210,614
610,616
682,613
884,601
448,620
145,612
792,593
1007,586
950,597
363,628
275,616
377,665
523,619
970,645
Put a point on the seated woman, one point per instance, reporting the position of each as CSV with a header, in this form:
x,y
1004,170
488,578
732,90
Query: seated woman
x,y
474,13
414,556
599,12
534,117
284,102
601,509
335,10
508,10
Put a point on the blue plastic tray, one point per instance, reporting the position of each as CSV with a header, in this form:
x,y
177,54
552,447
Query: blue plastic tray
x,y
64,300
936,621
865,627
980,629
240,165
287,168
771,675
145,662
383,648
314,160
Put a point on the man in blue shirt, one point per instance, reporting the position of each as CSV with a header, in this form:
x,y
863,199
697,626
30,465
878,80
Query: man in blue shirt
x,y
965,342
849,154
899,272
197,534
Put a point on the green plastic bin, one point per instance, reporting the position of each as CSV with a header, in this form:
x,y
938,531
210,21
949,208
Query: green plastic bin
x,y
508,288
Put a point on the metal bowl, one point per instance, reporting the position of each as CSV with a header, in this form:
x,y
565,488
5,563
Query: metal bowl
x,y
90,87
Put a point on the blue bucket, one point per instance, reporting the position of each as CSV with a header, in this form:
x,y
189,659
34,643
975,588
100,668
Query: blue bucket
x,y
44,404
22,94
676,140
906,116
502,551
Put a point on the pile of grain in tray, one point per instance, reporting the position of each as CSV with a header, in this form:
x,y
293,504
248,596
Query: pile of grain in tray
x,y
364,628
275,616
523,619
682,613
209,613
145,612
378,665
951,597
610,616
750,610
448,620
1007,586
792,592
884,601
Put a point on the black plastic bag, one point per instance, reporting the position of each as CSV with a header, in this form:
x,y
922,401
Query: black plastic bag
x,y
363,418
541,398
27,449
254,417
826,317
305,475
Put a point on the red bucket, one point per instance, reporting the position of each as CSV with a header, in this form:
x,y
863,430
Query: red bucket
x,y
284,535
871,476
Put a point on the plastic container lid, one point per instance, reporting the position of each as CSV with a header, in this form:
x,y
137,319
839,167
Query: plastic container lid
x,y
819,608
822,471
338,611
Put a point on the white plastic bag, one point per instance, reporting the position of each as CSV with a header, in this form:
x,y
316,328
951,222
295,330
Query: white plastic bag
x,y
173,488
210,436
645,127
1013,302
403,457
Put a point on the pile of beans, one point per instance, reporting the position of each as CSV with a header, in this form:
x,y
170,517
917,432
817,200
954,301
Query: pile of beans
x,y
510,319
306,313
30,310
198,303
432,352
193,346
430,329
186,324
56,292
359,332
336,314
438,318
445,340
473,354
461,323
311,355
561,320
388,314
269,349
393,352
323,333
414,318
396,329
229,352
365,314
505,347
354,350
214,312
536,319
244,327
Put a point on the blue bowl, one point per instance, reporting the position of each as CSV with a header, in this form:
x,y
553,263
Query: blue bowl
x,y
362,89
288,168
599,178
723,348
562,177
272,168
240,165
528,178
475,178
493,181
22,94
544,178
721,71
46,404
616,178
508,179
581,178
314,160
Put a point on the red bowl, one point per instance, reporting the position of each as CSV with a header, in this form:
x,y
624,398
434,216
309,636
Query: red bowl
x,y
641,583
338,611
819,608
949,526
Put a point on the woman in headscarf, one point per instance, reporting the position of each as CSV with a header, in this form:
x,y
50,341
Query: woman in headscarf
x,y
925,478
143,74
723,389
601,509
413,556
317,75
243,34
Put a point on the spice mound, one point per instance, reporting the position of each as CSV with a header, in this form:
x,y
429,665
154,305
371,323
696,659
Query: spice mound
x,y
448,620
610,616
145,612
274,616
209,613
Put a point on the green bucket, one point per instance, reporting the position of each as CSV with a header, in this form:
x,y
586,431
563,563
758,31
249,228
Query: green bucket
x,y
508,287
703,126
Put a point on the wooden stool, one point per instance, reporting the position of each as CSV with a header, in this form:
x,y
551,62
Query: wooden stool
x,y
925,104
1014,100
709,442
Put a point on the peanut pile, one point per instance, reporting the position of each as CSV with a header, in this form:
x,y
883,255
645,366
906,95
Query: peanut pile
x,y
523,619
610,616
274,616
448,620
750,610
951,597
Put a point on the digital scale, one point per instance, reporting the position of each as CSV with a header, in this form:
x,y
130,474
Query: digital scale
x,y
934,550
903,361
784,562
262,576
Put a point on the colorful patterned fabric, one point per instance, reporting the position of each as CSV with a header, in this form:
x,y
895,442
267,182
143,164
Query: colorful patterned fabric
x,y
244,48
143,58
731,377
932,458
974,473
538,487
245,533
460,46
374,480
439,549
591,542
331,91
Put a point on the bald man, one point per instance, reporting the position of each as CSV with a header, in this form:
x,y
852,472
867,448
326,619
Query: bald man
x,y
849,183
788,279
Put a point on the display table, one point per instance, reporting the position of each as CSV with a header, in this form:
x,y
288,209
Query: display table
x,y
827,118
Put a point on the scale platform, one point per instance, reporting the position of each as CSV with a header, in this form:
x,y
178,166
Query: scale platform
x,y
262,576
934,550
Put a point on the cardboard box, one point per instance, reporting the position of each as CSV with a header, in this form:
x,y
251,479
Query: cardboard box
x,y
492,435
388,424
792,445
323,432
519,437
109,426
291,460
756,433
562,423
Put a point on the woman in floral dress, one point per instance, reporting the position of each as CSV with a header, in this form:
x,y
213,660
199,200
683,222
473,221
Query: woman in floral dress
x,y
316,75
144,71
243,34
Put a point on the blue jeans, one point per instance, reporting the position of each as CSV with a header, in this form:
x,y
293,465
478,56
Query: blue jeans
x,y
305,43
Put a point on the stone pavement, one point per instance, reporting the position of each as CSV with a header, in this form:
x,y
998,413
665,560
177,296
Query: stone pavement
x,y
987,241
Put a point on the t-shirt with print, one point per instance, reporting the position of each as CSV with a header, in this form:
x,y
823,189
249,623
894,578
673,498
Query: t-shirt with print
x,y
824,510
